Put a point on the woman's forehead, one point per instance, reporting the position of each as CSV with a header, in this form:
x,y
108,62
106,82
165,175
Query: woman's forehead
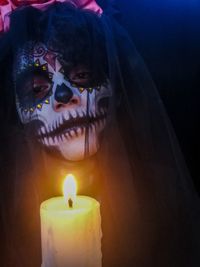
x,y
35,54
60,59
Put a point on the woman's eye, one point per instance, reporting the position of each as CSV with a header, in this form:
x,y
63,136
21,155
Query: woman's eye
x,y
81,78
39,88
33,90
40,91
80,75
83,75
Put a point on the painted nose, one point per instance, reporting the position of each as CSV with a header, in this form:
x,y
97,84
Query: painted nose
x,y
63,94
65,98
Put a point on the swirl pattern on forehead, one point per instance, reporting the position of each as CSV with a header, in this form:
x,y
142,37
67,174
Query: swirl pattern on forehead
x,y
39,50
27,55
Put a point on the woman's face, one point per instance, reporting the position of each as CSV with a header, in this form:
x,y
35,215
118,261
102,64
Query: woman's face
x,y
66,111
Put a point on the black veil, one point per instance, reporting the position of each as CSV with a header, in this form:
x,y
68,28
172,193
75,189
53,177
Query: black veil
x,y
150,210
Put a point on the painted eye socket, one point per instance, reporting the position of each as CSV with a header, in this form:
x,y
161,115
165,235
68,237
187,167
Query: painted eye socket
x,y
41,90
82,78
33,90
82,75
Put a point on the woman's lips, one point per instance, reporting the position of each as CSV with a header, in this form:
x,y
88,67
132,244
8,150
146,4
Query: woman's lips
x,y
73,124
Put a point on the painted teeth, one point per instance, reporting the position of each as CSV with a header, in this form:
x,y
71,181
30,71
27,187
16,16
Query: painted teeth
x,y
54,125
79,131
73,133
57,124
70,133
39,132
50,129
70,116
66,116
74,114
99,123
61,120
60,138
43,130
67,136
81,114
53,141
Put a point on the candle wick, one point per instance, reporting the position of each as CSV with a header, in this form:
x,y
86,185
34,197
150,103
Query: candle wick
x,y
70,203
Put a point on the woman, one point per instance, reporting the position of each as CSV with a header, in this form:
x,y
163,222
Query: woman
x,y
76,97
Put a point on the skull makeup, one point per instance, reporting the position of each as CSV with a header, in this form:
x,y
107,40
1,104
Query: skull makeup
x,y
66,112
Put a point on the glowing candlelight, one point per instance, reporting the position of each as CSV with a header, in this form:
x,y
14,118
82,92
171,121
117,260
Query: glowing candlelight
x,y
70,190
71,229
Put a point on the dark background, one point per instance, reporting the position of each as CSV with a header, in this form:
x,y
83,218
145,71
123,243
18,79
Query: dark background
x,y
167,36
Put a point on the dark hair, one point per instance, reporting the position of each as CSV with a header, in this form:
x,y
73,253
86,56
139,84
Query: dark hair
x,y
75,34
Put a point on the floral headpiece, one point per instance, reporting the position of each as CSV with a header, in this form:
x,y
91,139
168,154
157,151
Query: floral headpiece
x,y
7,6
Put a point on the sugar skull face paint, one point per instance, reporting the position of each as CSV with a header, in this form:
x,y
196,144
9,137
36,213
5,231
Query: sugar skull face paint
x,y
68,111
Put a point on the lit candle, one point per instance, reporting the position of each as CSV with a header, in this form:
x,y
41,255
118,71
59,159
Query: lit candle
x,y
71,230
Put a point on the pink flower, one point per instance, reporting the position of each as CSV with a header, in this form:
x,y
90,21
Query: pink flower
x,y
3,2
5,10
7,6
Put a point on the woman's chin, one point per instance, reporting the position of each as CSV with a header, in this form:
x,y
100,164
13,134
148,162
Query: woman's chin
x,y
79,149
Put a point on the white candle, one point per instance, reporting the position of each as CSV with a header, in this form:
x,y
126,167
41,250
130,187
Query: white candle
x,y
71,236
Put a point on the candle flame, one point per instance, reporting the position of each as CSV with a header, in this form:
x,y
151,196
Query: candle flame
x,y
70,188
